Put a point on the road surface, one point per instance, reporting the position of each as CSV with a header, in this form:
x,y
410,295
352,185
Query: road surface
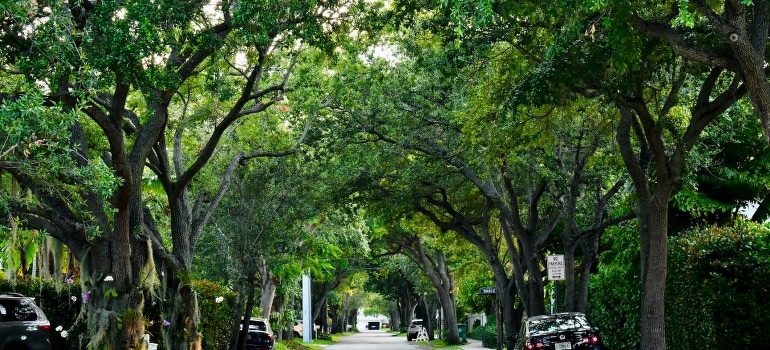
x,y
374,339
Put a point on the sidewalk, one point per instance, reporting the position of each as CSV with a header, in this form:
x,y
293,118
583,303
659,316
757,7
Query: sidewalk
x,y
474,344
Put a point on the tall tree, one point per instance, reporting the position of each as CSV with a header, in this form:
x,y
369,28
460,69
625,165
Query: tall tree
x,y
394,282
135,72
656,186
409,237
598,52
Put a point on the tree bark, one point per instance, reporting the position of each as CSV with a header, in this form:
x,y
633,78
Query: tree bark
x,y
269,284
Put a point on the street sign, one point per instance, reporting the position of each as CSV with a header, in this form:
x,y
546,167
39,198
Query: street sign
x,y
556,267
487,291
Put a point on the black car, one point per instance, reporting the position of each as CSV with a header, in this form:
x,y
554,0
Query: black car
x,y
23,324
260,337
563,331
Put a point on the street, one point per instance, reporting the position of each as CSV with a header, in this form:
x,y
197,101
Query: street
x,y
377,339
368,340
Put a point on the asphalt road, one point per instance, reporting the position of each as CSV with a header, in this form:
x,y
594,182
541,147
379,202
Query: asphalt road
x,y
374,339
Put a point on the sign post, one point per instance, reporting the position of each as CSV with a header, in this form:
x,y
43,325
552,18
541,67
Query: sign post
x,y
555,264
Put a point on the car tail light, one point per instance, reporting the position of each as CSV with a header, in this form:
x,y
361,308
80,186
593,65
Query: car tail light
x,y
592,339
533,344
44,327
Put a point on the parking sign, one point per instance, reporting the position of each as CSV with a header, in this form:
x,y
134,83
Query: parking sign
x,y
556,267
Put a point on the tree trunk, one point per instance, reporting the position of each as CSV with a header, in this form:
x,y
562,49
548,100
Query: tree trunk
x,y
590,254
654,256
114,306
536,304
270,284
242,321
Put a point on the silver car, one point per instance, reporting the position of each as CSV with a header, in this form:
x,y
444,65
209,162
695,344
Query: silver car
x,y
22,324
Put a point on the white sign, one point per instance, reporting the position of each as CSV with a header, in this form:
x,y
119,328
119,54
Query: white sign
x,y
555,267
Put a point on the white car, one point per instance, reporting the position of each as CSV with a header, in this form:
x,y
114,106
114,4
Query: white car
x,y
414,329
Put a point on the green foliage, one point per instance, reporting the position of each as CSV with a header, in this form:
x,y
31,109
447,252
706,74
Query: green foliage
x,y
727,270
37,147
19,248
726,170
615,299
486,333
217,307
291,345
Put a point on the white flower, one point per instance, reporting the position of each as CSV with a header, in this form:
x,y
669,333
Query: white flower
x,y
108,279
59,329
64,334
219,299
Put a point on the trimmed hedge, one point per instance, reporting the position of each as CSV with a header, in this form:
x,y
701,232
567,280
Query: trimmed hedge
x,y
487,334
717,292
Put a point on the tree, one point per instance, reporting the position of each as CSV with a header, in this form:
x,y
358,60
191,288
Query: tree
x,y
440,127
394,281
409,237
729,35
654,190
589,56
134,74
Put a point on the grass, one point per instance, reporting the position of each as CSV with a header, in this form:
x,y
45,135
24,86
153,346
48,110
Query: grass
x,y
299,345
440,344
295,345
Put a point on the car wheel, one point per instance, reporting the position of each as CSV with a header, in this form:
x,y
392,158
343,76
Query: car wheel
x,y
408,337
297,335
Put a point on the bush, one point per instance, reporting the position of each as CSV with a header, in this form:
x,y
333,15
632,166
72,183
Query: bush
x,y
216,314
615,299
487,334
291,345
727,270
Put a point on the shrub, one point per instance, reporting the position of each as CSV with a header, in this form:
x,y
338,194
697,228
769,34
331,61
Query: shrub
x,y
487,334
217,307
291,345
615,299
727,270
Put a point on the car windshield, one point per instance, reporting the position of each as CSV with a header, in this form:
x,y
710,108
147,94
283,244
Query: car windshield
x,y
257,326
558,324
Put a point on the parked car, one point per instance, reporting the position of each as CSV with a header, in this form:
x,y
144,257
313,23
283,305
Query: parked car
x,y
414,329
260,336
23,324
562,331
